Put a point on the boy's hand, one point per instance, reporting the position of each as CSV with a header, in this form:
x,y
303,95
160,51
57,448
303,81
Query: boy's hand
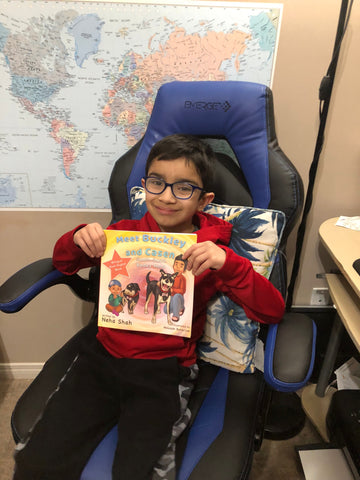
x,y
91,239
204,255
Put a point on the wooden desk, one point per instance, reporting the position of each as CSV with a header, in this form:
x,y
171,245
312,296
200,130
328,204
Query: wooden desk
x,y
343,245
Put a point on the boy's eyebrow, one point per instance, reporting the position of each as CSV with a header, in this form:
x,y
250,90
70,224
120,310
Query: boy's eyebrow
x,y
186,180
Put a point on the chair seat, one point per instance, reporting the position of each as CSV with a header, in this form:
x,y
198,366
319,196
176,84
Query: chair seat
x,y
229,394
234,446
220,432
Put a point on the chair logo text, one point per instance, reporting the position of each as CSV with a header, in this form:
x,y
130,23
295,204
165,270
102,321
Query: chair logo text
x,y
207,106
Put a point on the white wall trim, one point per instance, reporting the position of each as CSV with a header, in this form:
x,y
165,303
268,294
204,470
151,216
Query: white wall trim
x,y
20,370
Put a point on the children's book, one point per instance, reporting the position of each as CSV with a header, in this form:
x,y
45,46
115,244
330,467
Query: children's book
x,y
144,284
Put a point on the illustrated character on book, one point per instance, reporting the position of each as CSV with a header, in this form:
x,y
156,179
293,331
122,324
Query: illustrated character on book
x,y
114,304
161,290
130,296
177,304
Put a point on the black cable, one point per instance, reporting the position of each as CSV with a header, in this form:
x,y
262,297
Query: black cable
x,y
325,91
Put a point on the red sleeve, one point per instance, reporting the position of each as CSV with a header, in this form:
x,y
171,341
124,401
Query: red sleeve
x,y
68,257
259,298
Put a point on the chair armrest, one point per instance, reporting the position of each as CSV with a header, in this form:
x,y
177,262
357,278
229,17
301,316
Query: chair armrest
x,y
290,352
28,282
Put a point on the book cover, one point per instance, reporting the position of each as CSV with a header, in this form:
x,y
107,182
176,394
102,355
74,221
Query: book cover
x,y
144,284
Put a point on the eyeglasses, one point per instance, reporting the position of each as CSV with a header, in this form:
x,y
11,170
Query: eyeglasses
x,y
180,190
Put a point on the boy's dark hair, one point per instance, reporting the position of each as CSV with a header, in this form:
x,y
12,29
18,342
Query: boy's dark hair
x,y
190,147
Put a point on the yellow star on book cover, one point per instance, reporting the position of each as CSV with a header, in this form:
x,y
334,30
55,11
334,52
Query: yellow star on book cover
x,y
117,265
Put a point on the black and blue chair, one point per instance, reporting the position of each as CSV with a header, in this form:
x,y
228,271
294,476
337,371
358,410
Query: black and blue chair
x,y
228,408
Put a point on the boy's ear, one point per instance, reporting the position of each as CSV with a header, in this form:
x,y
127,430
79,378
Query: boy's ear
x,y
143,183
207,198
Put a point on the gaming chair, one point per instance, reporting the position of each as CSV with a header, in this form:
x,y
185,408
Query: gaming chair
x,y
228,408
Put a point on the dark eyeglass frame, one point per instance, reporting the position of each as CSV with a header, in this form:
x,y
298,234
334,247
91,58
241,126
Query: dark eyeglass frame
x,y
171,185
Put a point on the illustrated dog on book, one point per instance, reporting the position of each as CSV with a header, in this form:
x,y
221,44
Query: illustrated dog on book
x,y
161,290
130,296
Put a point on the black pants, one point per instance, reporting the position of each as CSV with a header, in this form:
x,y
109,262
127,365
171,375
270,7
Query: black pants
x,y
98,392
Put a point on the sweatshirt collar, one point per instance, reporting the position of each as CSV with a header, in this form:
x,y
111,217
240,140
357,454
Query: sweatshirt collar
x,y
210,227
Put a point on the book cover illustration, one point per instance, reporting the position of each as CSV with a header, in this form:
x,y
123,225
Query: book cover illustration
x,y
144,284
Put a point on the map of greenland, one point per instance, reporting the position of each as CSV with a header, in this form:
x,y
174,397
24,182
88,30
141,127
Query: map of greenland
x,y
86,31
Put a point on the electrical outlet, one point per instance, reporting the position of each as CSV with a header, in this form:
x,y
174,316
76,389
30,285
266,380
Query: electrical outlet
x,y
320,296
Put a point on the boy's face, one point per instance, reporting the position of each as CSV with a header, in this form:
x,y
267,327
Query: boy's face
x,y
179,266
171,213
115,290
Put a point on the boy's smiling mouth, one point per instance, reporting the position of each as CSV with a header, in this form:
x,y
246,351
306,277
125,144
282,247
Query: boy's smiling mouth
x,y
165,210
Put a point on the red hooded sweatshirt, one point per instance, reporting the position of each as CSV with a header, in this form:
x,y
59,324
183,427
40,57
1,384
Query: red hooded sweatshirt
x,y
237,279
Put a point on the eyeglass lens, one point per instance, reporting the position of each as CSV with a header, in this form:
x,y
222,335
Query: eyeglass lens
x,y
179,189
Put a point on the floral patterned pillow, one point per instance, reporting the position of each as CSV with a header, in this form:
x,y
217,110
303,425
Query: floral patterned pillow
x,y
230,337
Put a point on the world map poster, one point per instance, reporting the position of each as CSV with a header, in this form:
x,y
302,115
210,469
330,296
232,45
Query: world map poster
x,y
78,82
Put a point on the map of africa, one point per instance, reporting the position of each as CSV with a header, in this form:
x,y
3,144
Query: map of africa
x,y
78,82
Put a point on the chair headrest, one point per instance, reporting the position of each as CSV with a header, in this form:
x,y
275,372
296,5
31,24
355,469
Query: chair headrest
x,y
233,110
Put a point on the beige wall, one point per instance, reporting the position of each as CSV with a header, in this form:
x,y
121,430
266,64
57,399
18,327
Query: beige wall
x,y
306,44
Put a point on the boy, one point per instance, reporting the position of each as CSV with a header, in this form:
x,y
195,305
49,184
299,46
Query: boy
x,y
177,305
115,299
134,379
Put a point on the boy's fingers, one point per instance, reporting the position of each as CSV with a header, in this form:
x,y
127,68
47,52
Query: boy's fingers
x,y
198,269
203,256
201,263
193,250
98,246
91,239
99,240
196,260
187,253
88,245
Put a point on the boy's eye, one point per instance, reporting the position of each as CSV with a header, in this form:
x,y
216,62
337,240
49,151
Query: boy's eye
x,y
155,182
183,187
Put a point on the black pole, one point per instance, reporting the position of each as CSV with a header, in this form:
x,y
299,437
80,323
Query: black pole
x,y
325,91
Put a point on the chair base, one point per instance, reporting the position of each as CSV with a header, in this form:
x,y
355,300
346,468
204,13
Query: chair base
x,y
286,418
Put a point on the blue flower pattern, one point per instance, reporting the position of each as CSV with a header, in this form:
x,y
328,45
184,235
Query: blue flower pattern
x,y
137,203
229,319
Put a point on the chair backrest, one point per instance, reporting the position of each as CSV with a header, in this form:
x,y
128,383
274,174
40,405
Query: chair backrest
x,y
237,119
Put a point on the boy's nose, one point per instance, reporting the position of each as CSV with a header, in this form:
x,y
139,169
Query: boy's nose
x,y
167,194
